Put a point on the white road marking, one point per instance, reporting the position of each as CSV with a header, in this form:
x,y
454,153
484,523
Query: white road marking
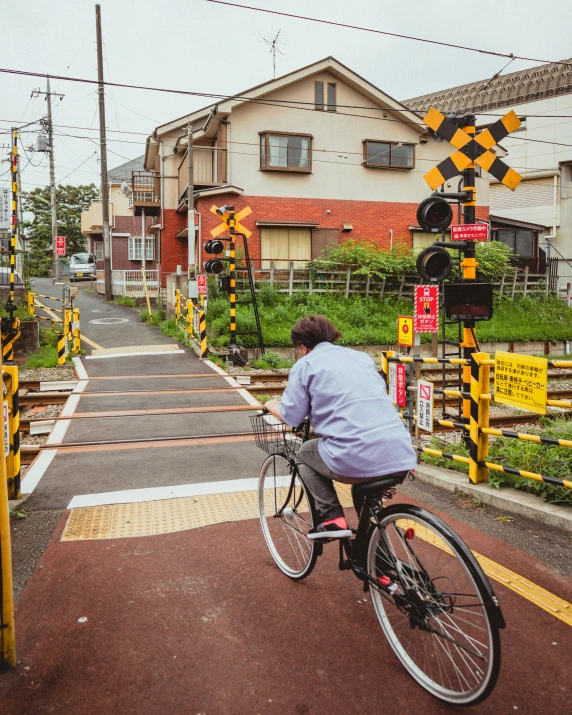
x,y
37,470
114,355
231,381
80,370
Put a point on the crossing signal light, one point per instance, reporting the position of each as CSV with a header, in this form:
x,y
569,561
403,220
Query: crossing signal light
x,y
434,264
214,247
434,214
224,284
213,265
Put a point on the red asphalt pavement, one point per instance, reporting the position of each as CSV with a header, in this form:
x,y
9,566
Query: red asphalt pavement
x,y
202,621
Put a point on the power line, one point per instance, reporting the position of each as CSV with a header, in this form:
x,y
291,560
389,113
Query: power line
x,y
388,34
77,169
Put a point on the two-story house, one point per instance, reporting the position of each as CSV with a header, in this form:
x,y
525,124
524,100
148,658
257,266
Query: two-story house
x,y
536,219
320,155
133,206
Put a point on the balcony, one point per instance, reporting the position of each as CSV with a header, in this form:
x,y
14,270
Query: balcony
x,y
209,168
145,193
92,218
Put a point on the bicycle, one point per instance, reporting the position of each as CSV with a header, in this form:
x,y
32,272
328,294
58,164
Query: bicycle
x,y
435,605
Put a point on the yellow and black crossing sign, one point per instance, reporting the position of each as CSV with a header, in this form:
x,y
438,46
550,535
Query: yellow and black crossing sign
x,y
472,149
230,220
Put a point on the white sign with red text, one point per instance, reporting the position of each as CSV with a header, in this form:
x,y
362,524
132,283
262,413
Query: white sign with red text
x,y
470,232
425,405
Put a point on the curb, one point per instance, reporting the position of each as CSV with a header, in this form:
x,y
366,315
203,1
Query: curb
x,y
508,500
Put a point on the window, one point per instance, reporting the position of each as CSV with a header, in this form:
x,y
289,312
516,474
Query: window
x,y
285,152
98,248
81,258
283,245
388,155
319,96
135,248
331,97
520,241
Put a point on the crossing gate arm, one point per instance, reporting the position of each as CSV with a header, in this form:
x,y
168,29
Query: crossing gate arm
x,y
528,475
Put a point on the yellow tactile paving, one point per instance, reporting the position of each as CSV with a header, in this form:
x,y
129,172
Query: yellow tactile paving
x,y
137,349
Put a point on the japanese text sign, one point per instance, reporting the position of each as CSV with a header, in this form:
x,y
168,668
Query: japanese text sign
x,y
397,383
5,209
60,245
470,232
425,406
521,381
405,331
426,315
202,283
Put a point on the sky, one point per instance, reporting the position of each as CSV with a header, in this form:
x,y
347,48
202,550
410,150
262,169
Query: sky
x,y
196,45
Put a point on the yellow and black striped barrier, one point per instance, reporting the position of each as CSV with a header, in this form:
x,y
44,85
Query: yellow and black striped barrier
x,y
446,455
62,348
528,475
12,406
203,333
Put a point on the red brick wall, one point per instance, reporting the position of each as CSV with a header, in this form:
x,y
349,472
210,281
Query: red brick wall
x,y
371,220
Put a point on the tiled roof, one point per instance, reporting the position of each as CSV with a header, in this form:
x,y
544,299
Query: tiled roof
x,y
549,80
123,172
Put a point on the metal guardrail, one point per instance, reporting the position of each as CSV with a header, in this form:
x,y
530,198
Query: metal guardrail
x,y
477,428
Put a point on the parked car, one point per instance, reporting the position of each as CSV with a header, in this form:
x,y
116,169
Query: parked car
x,y
82,266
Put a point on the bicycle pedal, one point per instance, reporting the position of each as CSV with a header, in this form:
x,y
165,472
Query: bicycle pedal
x,y
345,565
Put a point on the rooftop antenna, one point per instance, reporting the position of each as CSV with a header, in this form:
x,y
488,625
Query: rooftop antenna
x,y
273,44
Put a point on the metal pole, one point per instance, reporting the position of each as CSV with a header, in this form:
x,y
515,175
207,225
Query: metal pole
x,y
103,159
56,266
190,198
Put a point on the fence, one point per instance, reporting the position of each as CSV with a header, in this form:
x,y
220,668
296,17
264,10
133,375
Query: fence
x,y
191,319
478,428
516,282
130,283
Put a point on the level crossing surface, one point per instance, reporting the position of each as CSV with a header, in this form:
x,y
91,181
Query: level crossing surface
x,y
198,619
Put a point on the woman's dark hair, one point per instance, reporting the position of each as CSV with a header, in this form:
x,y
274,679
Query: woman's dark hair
x,y
312,330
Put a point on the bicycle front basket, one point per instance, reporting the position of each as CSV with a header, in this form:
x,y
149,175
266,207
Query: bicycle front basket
x,y
274,436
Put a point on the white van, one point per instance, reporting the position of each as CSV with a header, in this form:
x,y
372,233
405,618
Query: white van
x,y
82,266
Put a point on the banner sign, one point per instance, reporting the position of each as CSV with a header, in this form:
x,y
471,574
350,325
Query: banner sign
x,y
470,232
425,405
5,210
400,385
426,315
60,245
521,381
405,331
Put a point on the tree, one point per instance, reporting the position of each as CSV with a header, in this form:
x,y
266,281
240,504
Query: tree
x,y
70,201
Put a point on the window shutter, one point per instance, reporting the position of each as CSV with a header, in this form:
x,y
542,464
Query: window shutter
x,y
331,97
319,95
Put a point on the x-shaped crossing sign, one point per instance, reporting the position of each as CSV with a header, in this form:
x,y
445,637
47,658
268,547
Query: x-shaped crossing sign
x,y
228,222
471,149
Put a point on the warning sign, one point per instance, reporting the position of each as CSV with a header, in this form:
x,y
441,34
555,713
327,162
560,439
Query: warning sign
x,y
405,331
60,245
202,283
426,316
470,232
6,429
521,381
425,406
397,383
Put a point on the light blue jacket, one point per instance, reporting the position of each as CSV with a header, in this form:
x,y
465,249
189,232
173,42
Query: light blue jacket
x,y
344,395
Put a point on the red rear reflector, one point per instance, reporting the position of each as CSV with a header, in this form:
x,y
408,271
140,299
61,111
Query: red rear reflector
x,y
410,533
384,580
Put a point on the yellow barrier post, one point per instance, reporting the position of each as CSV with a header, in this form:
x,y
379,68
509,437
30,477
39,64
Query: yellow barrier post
x,y
62,351
31,304
189,318
76,332
12,406
203,332
478,418
177,304
7,633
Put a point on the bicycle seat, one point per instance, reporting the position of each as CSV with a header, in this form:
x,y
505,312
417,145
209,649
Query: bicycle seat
x,y
378,484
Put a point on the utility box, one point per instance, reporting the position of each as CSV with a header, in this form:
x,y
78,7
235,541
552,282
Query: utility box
x,y
468,301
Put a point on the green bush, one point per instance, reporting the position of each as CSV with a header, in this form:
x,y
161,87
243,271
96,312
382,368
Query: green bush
x,y
125,301
267,295
493,258
366,258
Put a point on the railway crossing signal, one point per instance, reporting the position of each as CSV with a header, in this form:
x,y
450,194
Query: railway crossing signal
x,y
434,214
471,149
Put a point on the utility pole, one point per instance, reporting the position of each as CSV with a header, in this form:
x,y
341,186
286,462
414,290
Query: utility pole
x,y
47,123
190,198
103,158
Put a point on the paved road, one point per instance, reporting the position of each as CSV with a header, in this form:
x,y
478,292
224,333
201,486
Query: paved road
x,y
200,620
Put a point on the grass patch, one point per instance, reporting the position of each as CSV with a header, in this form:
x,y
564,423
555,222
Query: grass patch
x,y
153,318
272,361
125,301
548,460
47,355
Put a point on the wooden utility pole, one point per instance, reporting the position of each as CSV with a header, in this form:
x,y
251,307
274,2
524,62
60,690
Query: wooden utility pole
x,y
190,199
103,159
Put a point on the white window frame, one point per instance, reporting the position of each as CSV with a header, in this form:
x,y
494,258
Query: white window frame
x,y
134,248
98,250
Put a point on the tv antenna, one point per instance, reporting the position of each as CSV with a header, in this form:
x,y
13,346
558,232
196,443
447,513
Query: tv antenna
x,y
273,44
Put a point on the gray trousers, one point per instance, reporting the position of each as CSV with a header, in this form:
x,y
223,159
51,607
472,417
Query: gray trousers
x,y
320,481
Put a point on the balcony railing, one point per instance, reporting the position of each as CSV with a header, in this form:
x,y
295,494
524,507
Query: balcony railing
x,y
209,168
145,192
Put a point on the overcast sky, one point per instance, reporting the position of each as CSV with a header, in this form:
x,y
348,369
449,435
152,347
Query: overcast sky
x,y
199,46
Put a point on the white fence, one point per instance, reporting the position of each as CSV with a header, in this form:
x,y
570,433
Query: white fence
x,y
130,283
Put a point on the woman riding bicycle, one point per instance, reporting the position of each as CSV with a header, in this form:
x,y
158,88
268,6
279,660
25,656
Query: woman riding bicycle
x,y
361,435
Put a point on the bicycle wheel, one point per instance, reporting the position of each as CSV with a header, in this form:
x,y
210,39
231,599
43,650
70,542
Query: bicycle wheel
x,y
286,516
440,619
